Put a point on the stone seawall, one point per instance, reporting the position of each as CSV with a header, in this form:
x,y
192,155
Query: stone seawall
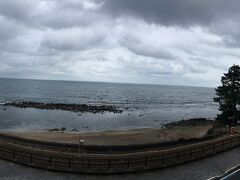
x,y
112,163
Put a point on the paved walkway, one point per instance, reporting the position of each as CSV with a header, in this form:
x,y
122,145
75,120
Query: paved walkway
x,y
198,170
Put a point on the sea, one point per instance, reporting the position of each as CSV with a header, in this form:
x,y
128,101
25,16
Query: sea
x,y
144,106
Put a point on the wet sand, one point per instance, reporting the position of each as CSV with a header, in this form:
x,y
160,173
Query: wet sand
x,y
124,137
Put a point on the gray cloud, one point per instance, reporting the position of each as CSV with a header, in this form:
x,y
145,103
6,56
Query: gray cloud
x,y
172,12
73,39
17,10
220,16
139,47
9,29
155,41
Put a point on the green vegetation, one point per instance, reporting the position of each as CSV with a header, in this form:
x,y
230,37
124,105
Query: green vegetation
x,y
228,97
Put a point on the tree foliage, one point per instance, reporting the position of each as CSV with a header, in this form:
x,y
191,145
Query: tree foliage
x,y
228,96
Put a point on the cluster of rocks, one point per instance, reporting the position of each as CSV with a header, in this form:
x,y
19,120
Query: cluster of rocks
x,y
61,130
57,129
67,107
189,122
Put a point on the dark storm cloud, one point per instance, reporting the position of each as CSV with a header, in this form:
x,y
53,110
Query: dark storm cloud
x,y
175,12
55,14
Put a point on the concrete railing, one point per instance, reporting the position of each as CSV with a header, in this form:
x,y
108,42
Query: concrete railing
x,y
113,163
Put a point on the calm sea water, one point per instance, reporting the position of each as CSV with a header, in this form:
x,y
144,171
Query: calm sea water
x,y
143,105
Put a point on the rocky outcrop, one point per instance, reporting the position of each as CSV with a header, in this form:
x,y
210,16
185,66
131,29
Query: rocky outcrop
x,y
189,122
67,107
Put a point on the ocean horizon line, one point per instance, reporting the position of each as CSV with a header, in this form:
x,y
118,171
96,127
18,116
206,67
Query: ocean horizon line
x,y
127,83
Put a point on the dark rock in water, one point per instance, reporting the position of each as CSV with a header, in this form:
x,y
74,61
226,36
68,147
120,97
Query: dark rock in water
x,y
4,109
85,127
74,130
189,122
67,107
54,129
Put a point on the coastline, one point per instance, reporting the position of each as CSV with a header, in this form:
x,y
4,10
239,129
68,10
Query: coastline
x,y
31,119
115,151
125,137
173,132
79,161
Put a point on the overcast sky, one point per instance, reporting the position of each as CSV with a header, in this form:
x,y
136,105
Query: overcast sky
x,y
182,42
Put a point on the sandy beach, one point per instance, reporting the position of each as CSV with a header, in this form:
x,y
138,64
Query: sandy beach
x,y
124,137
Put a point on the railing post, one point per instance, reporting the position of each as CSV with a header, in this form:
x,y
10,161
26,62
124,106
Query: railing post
x,y
109,164
89,164
14,156
50,161
69,163
30,158
163,160
145,163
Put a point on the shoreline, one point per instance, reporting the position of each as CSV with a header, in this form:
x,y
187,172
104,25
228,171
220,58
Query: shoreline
x,y
169,125
25,119
114,151
173,132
